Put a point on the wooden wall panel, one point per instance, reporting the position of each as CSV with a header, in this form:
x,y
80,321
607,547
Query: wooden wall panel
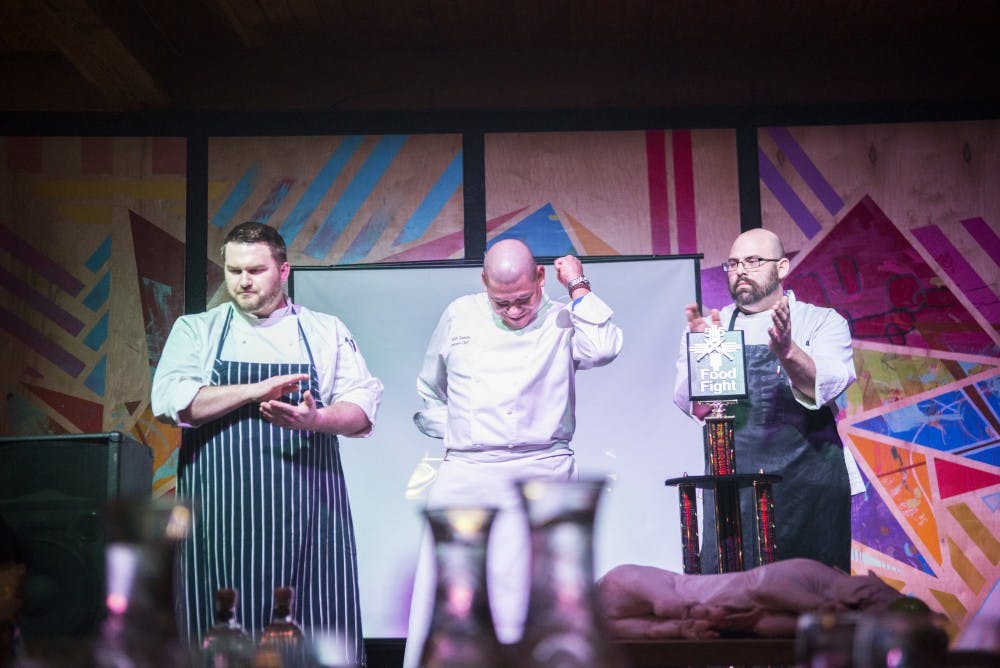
x,y
613,193
90,284
367,187
896,226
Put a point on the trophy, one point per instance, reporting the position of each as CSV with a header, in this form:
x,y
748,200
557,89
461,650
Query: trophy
x,y
717,377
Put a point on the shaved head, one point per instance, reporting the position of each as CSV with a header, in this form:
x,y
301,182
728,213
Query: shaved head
x,y
513,282
757,241
508,261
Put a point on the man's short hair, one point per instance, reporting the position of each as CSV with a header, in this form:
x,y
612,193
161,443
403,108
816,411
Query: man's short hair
x,y
252,232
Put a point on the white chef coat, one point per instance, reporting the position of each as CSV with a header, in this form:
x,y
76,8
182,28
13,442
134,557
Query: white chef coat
x,y
185,366
503,401
487,386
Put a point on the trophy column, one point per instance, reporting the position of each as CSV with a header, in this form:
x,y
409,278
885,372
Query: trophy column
x,y
720,447
717,378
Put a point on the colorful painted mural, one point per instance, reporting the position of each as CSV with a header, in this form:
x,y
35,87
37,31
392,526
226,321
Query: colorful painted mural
x,y
658,192
897,228
92,234
94,228
343,199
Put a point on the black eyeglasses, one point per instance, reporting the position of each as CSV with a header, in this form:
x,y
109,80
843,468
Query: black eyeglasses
x,y
749,263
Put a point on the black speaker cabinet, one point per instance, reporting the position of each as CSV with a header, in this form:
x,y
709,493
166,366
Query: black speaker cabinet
x,y
53,490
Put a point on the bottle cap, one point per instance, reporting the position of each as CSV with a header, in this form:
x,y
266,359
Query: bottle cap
x,y
225,599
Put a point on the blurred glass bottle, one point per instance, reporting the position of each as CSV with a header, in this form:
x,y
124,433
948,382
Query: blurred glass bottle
x,y
140,629
282,642
901,639
563,628
825,639
461,633
227,644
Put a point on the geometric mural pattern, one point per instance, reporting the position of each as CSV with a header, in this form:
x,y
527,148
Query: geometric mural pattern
x,y
610,194
923,418
342,199
73,336
92,236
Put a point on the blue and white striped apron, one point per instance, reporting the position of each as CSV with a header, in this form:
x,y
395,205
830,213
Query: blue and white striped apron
x,y
270,509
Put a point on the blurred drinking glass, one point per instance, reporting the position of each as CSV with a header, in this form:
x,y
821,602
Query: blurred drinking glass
x,y
892,639
825,639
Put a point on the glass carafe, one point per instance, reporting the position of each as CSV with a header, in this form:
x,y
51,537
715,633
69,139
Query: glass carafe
x,y
563,628
140,629
461,633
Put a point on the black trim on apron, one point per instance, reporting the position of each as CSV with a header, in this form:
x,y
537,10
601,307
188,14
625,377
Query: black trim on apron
x,y
270,509
774,432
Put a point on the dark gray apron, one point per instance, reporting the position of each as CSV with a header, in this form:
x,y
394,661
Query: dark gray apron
x,y
812,503
270,509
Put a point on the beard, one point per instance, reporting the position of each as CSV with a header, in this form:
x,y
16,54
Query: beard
x,y
256,302
757,291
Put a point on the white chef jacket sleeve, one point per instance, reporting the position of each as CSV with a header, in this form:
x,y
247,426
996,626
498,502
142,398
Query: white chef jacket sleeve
x,y
184,368
597,340
829,345
432,382
351,379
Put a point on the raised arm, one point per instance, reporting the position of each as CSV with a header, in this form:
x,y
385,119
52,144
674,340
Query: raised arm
x,y
597,340
820,363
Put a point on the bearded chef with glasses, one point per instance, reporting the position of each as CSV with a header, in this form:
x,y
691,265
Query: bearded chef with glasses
x,y
799,360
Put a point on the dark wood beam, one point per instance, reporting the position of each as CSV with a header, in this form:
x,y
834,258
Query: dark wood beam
x,y
86,41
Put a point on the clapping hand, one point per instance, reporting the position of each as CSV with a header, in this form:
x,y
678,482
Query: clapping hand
x,y
781,331
699,323
291,416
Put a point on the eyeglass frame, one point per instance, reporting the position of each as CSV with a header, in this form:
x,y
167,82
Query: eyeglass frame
x,y
759,260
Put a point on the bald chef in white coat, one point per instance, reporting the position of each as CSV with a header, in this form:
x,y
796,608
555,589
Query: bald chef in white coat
x,y
498,386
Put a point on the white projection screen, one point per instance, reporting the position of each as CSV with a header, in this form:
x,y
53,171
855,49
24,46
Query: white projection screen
x,y
628,428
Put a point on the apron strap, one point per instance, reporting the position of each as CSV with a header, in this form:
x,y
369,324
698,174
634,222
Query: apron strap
x,y
732,318
305,341
228,323
225,331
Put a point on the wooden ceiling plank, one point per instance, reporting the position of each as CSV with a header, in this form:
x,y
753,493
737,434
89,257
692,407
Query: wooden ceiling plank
x,y
247,21
19,35
95,51
304,10
22,72
276,12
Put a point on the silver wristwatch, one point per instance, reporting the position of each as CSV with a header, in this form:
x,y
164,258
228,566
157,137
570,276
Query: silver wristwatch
x,y
577,282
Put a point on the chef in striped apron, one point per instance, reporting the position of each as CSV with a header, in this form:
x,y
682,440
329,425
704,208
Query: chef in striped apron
x,y
263,388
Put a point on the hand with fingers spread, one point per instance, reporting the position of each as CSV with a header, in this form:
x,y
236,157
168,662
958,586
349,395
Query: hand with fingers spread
x,y
698,322
291,416
781,330
274,387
